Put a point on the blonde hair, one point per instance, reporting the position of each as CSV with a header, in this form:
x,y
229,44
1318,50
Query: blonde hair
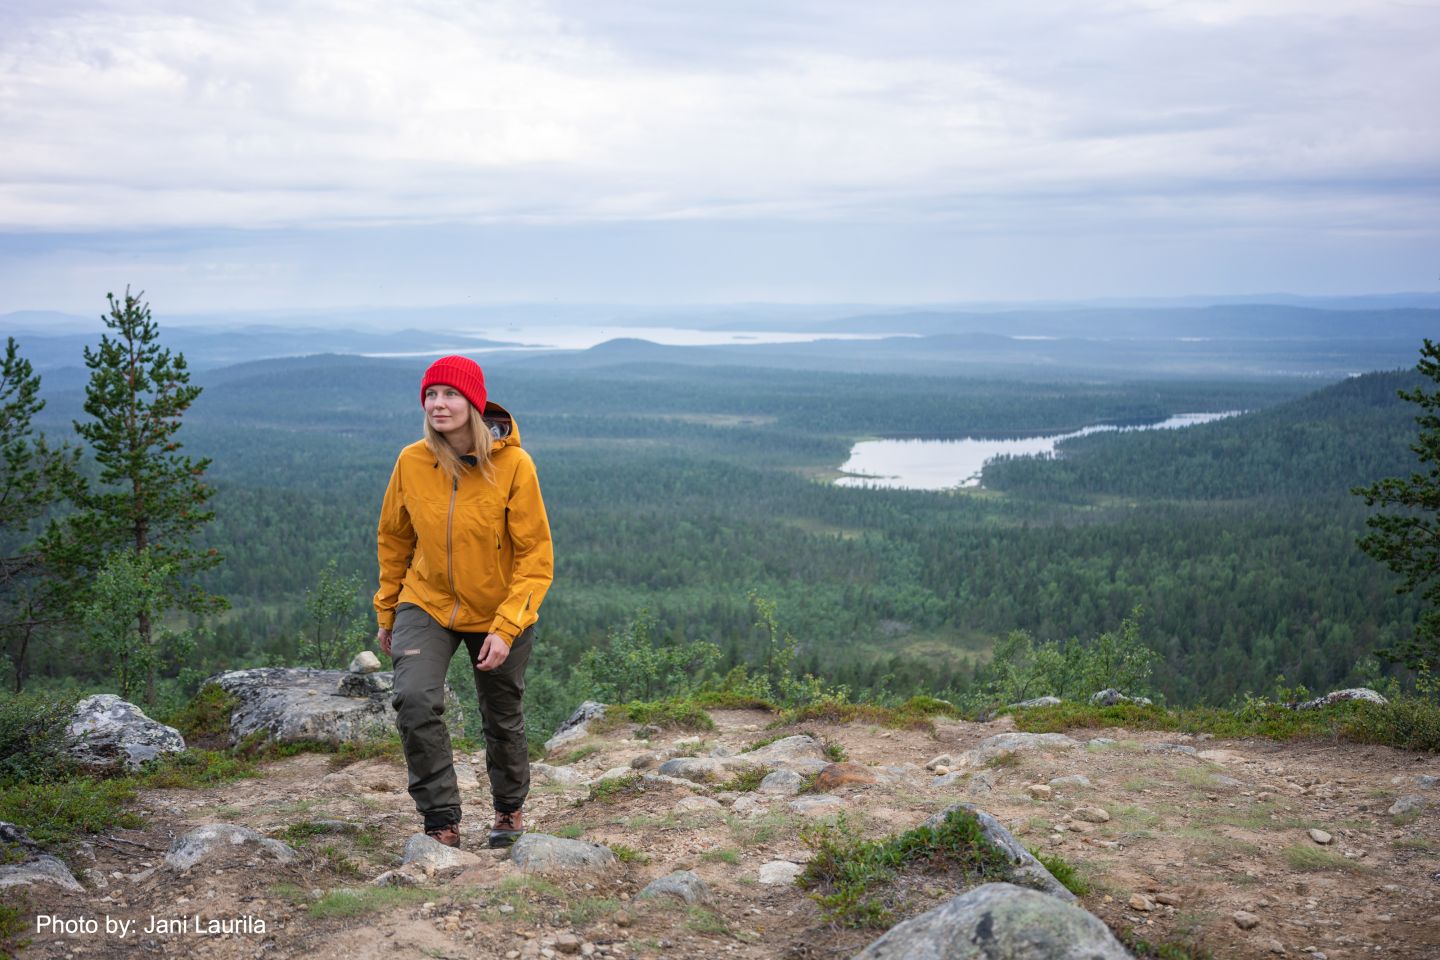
x,y
449,460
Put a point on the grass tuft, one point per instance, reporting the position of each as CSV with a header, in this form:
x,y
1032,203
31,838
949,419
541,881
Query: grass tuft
x,y
856,882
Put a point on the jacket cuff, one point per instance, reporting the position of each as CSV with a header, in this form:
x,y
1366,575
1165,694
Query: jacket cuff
x,y
385,619
507,630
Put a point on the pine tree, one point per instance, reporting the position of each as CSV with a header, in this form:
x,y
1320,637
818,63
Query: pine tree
x,y
1408,542
33,478
150,499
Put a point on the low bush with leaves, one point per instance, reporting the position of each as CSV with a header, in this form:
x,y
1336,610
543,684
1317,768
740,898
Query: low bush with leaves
x,y
862,883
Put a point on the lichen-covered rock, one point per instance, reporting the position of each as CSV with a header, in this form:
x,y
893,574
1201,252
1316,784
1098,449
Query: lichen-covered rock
x,y
213,839
294,704
541,852
1025,869
365,684
577,727
782,782
1406,804
780,872
682,884
30,864
1364,694
365,662
426,851
107,733
705,769
561,775
1016,742
1109,697
1036,702
1171,748
999,921
817,805
698,805
786,752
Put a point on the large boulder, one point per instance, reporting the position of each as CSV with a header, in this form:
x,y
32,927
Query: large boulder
x,y
577,727
541,852
215,839
1364,694
1025,869
705,769
999,921
1016,742
23,863
792,753
107,733
684,885
1109,697
293,704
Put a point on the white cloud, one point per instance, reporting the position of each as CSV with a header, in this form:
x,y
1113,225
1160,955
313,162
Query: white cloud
x,y
120,115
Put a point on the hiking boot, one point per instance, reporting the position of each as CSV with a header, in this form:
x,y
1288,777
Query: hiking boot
x,y
448,835
508,828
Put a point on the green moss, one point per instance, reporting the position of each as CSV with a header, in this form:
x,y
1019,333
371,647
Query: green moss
x,y
917,713
15,917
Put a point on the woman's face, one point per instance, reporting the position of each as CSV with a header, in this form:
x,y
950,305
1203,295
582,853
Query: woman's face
x,y
446,408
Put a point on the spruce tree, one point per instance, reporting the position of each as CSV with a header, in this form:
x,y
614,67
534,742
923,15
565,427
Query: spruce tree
x,y
34,477
150,499
1408,541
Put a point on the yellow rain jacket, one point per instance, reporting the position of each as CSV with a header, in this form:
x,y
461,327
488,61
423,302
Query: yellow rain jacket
x,y
476,554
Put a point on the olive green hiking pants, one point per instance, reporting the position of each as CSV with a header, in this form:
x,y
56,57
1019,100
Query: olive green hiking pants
x,y
422,650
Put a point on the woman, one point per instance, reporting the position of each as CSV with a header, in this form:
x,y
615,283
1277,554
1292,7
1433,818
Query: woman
x,y
465,555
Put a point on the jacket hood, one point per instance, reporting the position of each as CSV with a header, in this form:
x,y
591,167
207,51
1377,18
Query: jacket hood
x,y
503,428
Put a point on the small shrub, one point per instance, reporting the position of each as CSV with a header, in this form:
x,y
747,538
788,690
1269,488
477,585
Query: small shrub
x,y
683,714
32,738
570,831
206,717
746,781
575,756
1407,722
55,812
1002,760
194,769
855,879
14,923
627,854
722,855
613,789
1063,871
1305,857
1169,950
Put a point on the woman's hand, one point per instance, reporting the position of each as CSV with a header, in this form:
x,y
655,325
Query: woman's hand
x,y
385,637
493,652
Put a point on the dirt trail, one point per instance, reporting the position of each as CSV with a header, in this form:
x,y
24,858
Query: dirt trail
x,y
1216,833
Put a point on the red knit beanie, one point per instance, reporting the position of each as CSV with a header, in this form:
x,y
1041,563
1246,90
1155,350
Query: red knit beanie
x,y
462,373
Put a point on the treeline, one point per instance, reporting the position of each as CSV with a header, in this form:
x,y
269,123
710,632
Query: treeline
x,y
681,489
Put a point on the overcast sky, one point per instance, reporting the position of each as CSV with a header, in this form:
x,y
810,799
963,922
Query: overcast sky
x,y
323,154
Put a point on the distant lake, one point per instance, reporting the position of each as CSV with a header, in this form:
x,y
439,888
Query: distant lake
x,y
946,464
583,337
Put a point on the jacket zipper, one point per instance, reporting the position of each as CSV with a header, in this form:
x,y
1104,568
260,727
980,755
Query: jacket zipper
x,y
450,551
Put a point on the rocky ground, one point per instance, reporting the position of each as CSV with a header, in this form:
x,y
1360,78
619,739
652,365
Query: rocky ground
x,y
1247,848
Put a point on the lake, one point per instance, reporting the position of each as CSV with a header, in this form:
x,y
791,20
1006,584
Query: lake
x,y
947,464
